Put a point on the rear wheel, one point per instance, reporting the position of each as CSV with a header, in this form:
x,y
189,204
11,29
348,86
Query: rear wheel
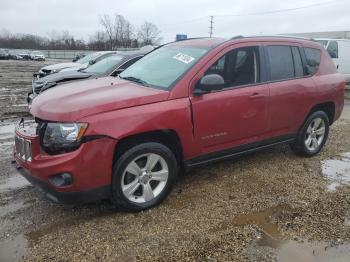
x,y
143,176
313,135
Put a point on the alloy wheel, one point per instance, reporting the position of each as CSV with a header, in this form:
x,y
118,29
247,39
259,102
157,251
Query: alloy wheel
x,y
315,134
144,178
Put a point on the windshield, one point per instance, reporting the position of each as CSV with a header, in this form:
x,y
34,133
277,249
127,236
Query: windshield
x,y
88,58
164,66
105,65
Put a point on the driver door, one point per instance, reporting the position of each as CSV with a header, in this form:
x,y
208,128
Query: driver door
x,y
236,114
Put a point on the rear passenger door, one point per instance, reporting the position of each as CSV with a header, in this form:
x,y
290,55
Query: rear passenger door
x,y
287,86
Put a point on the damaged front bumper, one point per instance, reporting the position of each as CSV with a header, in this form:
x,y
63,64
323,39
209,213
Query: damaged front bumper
x,y
89,167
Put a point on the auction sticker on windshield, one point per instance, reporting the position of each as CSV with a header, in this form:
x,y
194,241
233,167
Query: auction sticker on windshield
x,y
184,58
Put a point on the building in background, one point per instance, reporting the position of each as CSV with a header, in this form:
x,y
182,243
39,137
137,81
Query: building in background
x,y
331,34
180,37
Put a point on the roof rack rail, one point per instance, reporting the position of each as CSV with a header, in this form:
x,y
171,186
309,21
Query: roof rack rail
x,y
191,38
296,36
283,36
237,37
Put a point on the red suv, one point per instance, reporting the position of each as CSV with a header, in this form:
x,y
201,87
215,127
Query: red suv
x,y
185,104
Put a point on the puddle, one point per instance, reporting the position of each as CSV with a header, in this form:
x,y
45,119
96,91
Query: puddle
x,y
337,171
13,249
292,251
288,250
7,131
10,208
14,182
263,220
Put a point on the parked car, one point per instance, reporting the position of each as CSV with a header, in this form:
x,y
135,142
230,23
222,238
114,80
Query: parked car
x,y
109,66
25,55
14,55
78,56
185,104
80,64
4,55
339,50
37,56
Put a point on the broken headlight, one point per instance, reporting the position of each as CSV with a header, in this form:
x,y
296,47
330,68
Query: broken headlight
x,y
61,138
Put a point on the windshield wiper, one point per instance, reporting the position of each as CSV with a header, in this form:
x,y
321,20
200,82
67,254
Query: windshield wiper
x,y
135,79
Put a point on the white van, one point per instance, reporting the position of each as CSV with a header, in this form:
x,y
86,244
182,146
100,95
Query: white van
x,y
339,50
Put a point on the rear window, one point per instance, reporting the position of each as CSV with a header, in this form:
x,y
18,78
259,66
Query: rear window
x,y
313,59
281,62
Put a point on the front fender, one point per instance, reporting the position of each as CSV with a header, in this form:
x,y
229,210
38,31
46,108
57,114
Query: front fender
x,y
171,114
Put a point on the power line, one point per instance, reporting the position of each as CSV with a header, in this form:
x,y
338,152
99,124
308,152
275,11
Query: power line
x,y
283,10
211,26
185,21
257,13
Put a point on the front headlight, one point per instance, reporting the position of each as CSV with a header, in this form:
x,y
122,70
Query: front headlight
x,y
61,138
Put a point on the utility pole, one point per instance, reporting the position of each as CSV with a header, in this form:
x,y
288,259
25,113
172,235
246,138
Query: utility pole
x,y
211,26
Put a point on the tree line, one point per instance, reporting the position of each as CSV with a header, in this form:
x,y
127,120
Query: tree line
x,y
115,32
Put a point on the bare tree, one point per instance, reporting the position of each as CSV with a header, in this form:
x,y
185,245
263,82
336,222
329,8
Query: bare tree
x,y
128,34
98,41
149,34
109,30
119,31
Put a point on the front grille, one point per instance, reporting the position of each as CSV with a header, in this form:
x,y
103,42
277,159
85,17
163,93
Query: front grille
x,y
23,148
37,88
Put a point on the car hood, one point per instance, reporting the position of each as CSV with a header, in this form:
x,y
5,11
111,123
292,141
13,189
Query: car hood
x,y
63,76
61,66
77,67
74,101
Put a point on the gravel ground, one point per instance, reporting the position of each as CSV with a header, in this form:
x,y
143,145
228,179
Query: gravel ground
x,y
266,206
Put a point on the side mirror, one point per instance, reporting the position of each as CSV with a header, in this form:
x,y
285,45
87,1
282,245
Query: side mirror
x,y
91,62
209,83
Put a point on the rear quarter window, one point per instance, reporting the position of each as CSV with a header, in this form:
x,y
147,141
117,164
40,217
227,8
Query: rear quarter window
x,y
313,60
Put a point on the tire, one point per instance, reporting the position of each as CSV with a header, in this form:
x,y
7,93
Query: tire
x,y
310,138
138,172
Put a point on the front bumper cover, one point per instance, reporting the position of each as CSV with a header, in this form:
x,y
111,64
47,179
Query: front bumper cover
x,y
90,166
68,198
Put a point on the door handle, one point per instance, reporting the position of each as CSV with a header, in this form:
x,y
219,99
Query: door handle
x,y
256,96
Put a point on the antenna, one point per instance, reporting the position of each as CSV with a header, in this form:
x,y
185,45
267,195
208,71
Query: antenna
x,y
211,26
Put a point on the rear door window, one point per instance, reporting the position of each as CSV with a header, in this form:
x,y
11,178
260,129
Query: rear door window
x,y
281,62
313,59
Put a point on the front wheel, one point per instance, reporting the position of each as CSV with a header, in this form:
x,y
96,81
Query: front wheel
x,y
143,176
313,135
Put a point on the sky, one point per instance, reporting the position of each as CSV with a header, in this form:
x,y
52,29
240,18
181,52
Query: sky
x,y
191,17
